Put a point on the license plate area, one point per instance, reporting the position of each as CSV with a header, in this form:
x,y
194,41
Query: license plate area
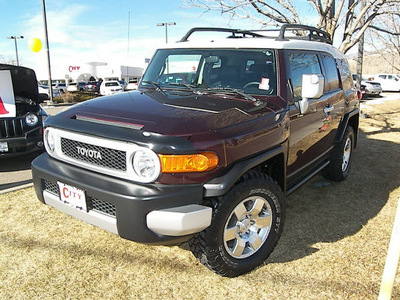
x,y
72,196
3,147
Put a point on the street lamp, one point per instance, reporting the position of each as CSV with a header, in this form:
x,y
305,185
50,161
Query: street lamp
x,y
15,38
46,36
166,30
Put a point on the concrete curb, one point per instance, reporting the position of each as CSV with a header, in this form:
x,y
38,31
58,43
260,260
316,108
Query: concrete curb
x,y
16,188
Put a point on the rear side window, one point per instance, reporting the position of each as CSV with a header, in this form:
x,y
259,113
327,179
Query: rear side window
x,y
331,72
345,75
299,63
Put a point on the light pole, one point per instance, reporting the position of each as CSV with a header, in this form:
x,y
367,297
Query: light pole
x,y
15,38
166,30
47,49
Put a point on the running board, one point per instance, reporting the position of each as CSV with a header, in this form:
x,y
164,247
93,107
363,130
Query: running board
x,y
305,179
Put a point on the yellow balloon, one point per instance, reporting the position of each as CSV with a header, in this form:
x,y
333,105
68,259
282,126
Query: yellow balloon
x,y
35,44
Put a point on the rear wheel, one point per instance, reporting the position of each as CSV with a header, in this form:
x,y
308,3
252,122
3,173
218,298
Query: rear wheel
x,y
338,168
246,226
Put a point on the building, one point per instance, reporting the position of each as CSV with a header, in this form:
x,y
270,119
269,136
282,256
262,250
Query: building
x,y
93,71
105,71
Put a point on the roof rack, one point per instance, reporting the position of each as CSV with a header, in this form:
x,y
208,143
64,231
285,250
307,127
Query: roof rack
x,y
313,34
236,33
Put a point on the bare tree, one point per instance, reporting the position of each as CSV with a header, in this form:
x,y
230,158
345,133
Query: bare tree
x,y
384,38
344,20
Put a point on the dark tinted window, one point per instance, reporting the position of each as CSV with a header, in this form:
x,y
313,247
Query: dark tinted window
x,y
345,75
331,73
300,63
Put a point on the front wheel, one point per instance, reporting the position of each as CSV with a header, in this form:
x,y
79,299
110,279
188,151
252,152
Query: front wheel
x,y
338,168
246,225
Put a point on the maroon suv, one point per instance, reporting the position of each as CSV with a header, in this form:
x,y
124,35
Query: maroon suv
x,y
206,149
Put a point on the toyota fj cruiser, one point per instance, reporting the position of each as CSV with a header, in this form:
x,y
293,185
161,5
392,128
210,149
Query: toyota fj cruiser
x,y
206,149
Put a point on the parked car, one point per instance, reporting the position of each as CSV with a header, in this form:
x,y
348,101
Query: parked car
x,y
92,86
110,87
368,87
132,85
44,89
72,87
21,117
389,82
61,86
206,149
76,87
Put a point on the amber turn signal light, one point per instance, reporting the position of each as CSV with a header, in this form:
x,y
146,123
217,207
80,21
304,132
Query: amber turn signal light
x,y
199,162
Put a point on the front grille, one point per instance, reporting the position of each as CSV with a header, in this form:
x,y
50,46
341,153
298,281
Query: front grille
x,y
12,128
96,155
92,203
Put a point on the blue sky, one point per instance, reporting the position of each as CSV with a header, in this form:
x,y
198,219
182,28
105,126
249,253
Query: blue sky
x,y
87,31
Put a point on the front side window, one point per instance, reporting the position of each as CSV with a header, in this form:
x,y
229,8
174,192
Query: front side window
x,y
299,63
252,71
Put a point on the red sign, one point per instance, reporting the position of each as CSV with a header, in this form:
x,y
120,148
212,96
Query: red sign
x,y
3,110
72,68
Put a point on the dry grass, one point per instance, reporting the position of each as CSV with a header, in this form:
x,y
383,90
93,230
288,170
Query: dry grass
x,y
333,247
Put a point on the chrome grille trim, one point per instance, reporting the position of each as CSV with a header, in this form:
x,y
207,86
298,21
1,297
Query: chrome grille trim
x,y
94,142
112,159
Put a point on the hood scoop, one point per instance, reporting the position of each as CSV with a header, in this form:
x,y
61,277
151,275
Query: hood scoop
x,y
103,121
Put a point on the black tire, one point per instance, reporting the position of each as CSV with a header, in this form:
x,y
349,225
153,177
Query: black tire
x,y
246,225
341,157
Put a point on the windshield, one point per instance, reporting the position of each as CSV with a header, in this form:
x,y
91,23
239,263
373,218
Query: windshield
x,y
250,71
111,84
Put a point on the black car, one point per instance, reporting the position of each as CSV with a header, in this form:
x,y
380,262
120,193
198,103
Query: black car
x,y
21,117
92,86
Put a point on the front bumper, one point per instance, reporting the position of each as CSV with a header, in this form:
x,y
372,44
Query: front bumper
x,y
32,141
173,212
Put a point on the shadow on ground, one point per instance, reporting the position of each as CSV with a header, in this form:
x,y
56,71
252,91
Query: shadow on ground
x,y
330,212
17,163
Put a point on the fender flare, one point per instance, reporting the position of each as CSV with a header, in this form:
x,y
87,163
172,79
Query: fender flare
x,y
220,185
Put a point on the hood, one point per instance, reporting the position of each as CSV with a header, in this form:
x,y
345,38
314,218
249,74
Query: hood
x,y
170,113
24,82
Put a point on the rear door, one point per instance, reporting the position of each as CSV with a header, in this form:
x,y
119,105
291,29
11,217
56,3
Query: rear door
x,y
312,134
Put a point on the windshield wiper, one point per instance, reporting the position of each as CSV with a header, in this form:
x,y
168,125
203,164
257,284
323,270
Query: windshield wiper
x,y
188,86
241,93
155,84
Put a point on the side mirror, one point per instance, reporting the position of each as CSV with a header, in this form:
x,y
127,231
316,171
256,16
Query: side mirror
x,y
312,87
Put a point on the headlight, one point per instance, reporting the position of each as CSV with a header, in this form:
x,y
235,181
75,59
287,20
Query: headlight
x,y
31,119
146,165
49,140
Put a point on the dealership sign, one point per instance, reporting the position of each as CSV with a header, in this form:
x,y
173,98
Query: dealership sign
x,y
73,68
7,100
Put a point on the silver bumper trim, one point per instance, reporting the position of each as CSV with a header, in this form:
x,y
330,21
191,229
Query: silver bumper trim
x,y
91,217
179,221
